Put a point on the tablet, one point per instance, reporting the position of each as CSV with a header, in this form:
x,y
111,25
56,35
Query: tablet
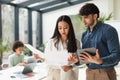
x,y
91,51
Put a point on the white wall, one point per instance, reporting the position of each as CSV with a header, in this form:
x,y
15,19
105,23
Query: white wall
x,y
49,19
116,9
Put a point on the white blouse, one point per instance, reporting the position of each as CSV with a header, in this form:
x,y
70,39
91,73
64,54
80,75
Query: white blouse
x,y
50,47
71,74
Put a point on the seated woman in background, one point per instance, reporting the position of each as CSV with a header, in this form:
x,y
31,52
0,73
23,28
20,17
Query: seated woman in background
x,y
17,58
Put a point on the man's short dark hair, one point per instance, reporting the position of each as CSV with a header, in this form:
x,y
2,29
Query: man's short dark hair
x,y
89,8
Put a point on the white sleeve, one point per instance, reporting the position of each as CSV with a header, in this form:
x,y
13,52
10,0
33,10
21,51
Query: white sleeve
x,y
48,46
78,44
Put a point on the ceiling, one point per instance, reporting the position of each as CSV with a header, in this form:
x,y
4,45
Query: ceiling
x,y
42,5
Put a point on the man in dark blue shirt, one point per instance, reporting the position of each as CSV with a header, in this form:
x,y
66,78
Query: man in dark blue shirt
x,y
105,39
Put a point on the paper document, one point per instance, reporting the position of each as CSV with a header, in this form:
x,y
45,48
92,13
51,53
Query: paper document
x,y
58,58
34,50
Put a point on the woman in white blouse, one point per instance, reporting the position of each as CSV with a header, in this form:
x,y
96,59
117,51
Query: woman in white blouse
x,y
63,39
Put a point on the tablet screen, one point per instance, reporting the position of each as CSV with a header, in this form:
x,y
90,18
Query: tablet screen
x,y
91,51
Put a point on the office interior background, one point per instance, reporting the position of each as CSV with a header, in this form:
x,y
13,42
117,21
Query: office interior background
x,y
36,27
33,21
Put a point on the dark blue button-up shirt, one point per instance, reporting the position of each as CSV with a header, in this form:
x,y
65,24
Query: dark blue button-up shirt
x,y
105,38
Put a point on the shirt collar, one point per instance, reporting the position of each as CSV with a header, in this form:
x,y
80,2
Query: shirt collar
x,y
95,27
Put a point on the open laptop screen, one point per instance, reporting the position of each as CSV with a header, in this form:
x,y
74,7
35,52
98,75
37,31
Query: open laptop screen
x,y
28,68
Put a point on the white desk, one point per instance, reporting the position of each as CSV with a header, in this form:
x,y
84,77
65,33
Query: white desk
x,y
40,72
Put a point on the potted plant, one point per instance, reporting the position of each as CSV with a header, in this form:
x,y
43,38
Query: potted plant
x,y
42,47
103,18
3,48
79,27
26,51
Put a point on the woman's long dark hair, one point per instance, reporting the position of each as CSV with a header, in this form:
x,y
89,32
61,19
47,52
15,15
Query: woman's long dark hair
x,y
71,44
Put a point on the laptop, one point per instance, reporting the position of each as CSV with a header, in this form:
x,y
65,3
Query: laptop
x,y
28,68
31,60
26,72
